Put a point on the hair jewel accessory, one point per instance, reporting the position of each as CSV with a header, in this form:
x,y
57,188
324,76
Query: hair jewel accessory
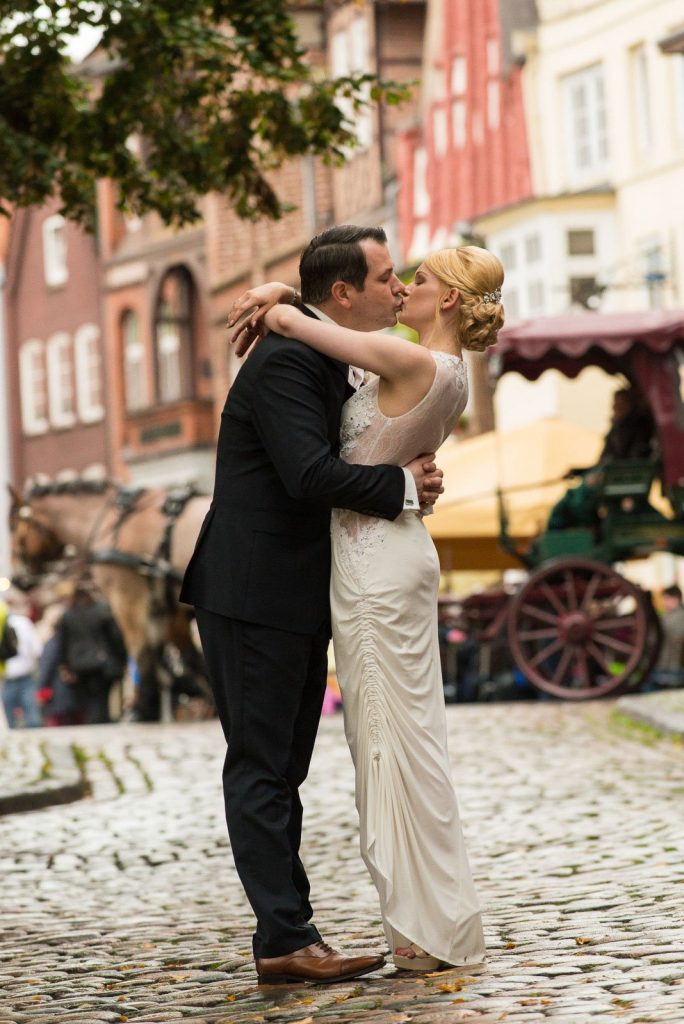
x,y
494,296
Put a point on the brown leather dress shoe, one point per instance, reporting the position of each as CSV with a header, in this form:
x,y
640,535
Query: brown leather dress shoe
x,y
318,962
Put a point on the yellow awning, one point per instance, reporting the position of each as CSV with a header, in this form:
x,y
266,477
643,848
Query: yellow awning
x,y
527,465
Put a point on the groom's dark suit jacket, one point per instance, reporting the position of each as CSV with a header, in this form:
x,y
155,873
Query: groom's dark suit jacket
x,y
263,553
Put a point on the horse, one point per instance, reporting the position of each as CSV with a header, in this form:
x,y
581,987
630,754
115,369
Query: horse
x,y
133,543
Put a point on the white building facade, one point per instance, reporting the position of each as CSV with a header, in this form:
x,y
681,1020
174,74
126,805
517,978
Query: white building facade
x,y
604,104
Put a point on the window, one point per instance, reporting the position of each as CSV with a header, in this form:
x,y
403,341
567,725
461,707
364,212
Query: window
x,y
135,377
492,56
532,248
581,243
535,296
88,361
458,123
359,63
585,292
459,81
421,196
33,387
173,336
644,128
509,256
439,130
55,251
586,126
349,54
459,75
61,380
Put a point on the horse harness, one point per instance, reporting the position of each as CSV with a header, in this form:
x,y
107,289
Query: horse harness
x,y
126,500
158,565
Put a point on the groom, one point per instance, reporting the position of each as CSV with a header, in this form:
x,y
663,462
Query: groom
x,y
259,580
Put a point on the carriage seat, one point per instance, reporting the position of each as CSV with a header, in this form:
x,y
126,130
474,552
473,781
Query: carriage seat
x,y
627,478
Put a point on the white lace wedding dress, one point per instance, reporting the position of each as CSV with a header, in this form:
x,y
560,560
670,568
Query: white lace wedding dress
x,y
384,608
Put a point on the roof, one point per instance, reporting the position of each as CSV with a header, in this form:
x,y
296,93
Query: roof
x,y
574,341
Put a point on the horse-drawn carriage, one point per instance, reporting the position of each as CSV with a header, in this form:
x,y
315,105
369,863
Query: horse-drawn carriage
x,y
577,628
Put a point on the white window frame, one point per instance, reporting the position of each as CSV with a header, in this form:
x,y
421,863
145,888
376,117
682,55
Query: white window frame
x,y
136,391
585,126
88,366
31,366
60,368
55,251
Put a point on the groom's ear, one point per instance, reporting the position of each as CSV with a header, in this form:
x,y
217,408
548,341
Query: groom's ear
x,y
340,293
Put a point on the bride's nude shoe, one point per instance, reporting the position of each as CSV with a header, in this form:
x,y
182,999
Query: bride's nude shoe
x,y
422,961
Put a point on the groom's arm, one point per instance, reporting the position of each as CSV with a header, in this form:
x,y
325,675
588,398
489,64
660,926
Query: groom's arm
x,y
289,415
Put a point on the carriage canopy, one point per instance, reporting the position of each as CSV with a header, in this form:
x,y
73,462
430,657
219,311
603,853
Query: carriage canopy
x,y
570,343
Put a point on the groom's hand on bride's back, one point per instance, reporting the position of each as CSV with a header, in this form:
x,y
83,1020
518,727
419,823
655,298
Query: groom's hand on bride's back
x,y
429,479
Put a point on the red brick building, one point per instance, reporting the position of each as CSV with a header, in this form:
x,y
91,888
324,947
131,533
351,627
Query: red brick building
x,y
467,153
55,366
154,295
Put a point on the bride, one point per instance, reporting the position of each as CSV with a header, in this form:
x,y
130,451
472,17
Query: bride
x,y
385,576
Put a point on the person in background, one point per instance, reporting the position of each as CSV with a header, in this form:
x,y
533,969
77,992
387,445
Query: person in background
x,y
630,436
669,669
19,689
58,697
93,653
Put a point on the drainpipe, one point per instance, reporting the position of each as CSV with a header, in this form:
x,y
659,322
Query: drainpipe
x,y
4,461
5,464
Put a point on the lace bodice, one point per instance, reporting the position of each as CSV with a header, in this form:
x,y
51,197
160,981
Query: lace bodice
x,y
371,438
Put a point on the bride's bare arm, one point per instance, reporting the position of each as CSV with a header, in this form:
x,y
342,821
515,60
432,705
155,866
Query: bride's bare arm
x,y
391,357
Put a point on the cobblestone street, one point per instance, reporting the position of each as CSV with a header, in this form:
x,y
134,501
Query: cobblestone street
x,y
125,906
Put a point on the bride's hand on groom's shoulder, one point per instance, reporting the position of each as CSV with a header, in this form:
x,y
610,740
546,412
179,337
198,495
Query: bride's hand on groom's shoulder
x,y
245,324
247,331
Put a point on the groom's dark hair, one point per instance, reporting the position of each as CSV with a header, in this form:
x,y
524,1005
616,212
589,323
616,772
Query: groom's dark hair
x,y
335,255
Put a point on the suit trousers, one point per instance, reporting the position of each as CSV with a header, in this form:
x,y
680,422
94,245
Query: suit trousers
x,y
268,686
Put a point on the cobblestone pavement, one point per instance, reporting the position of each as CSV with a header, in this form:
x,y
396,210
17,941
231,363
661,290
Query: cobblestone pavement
x,y
125,906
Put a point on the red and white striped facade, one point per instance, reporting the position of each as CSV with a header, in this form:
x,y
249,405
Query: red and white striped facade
x,y
468,152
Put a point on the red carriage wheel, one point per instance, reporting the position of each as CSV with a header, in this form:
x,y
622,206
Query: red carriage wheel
x,y
577,629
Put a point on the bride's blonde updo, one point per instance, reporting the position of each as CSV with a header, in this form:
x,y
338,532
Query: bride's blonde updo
x,y
478,274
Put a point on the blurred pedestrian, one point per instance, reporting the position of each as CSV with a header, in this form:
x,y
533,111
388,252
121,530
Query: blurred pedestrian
x,y
57,695
93,653
19,682
669,670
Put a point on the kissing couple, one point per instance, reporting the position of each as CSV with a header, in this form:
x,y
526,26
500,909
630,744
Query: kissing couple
x,y
316,523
